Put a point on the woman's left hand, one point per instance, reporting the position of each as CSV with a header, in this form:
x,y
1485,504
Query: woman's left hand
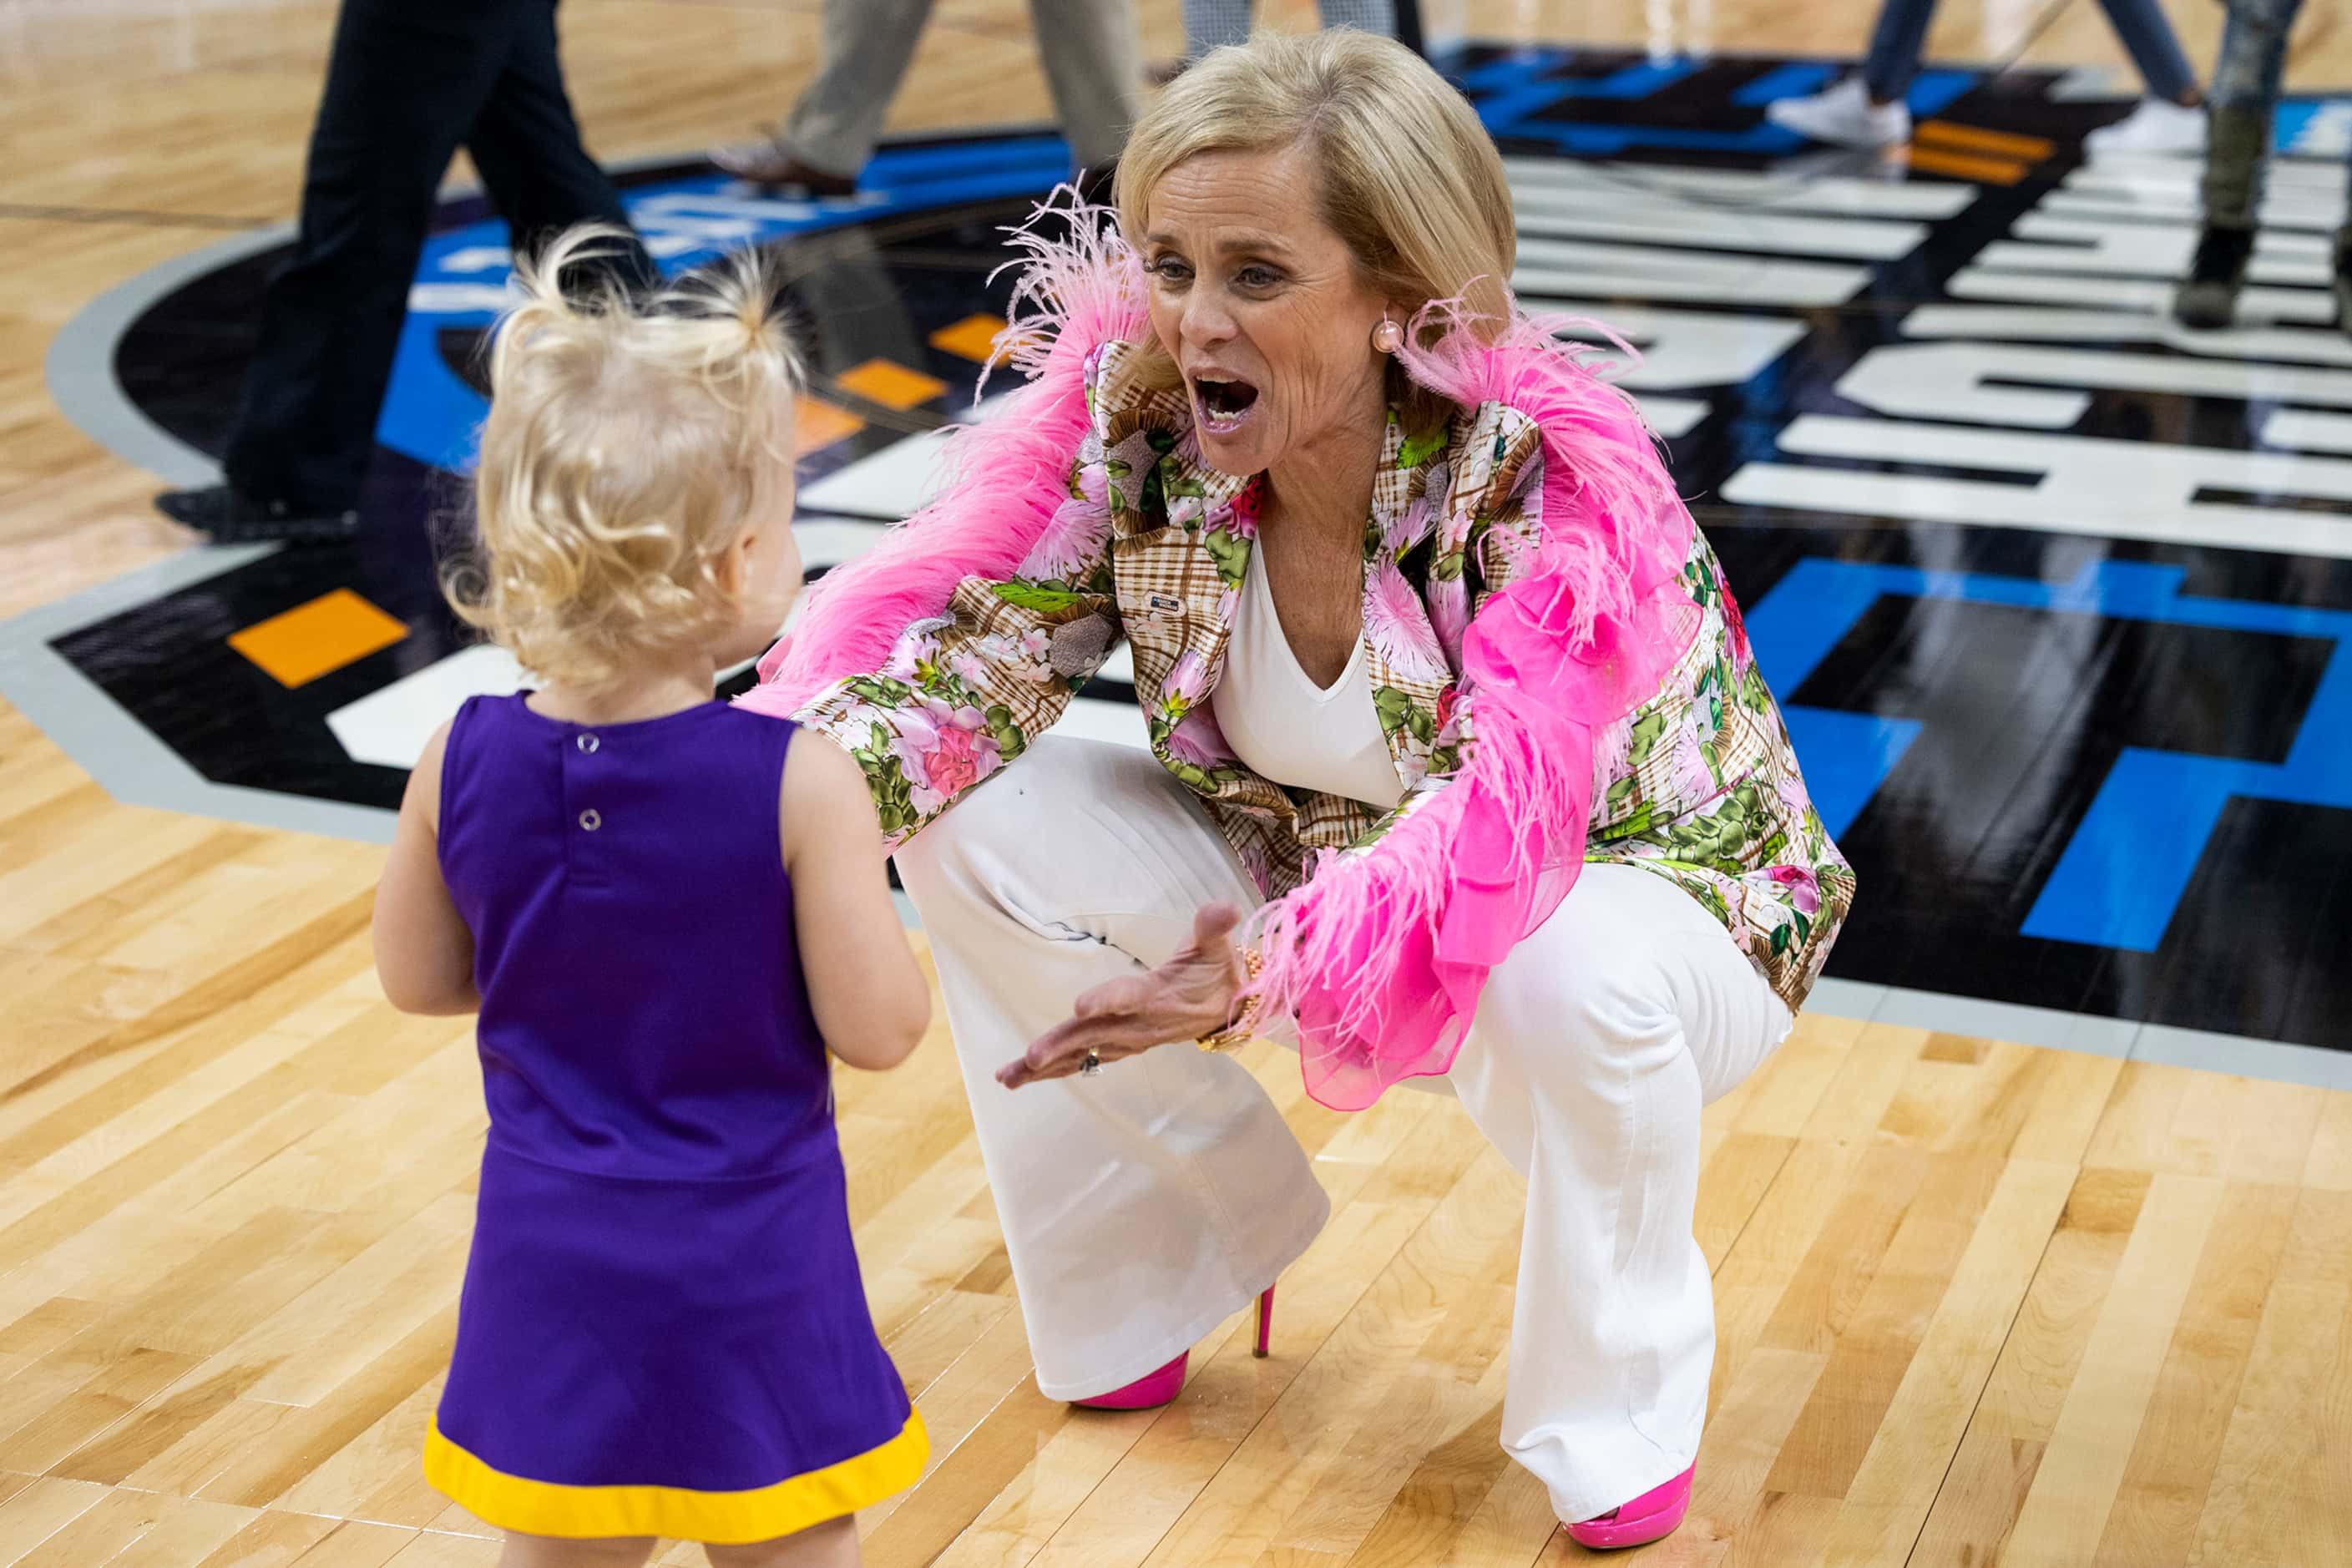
x,y
1190,996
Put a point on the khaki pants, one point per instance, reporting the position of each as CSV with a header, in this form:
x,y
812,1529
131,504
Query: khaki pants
x,y
1089,52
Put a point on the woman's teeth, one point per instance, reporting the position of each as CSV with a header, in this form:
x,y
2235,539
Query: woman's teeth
x,y
1224,406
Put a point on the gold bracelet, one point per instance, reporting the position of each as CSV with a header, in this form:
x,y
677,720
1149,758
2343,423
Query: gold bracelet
x,y
1242,1028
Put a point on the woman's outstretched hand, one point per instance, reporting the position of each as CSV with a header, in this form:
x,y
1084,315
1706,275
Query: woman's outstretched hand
x,y
1190,996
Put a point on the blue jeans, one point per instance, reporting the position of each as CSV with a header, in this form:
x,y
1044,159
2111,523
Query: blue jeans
x,y
2147,37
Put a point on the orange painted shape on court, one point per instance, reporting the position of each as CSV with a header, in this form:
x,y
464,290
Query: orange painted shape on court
x,y
317,639
974,337
1976,139
1966,166
821,423
891,386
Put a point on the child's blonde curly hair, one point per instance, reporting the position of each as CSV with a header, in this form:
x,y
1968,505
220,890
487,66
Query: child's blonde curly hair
x,y
629,444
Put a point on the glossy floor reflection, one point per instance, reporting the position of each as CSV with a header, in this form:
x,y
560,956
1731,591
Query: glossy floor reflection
x,y
2056,592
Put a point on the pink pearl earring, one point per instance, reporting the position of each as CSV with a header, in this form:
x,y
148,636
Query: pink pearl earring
x,y
1388,337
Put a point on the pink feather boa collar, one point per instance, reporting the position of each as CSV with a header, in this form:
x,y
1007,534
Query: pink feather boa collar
x,y
1379,958
1080,285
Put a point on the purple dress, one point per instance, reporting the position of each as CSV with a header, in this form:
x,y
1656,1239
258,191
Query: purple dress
x,y
663,1329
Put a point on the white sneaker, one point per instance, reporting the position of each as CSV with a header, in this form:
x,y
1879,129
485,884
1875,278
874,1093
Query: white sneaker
x,y
2156,126
1844,116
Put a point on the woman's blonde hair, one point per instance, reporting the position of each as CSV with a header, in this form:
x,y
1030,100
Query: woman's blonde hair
x,y
629,443
1407,175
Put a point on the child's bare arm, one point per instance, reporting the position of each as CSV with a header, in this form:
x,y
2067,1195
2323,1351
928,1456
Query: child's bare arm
x,y
424,953
871,1001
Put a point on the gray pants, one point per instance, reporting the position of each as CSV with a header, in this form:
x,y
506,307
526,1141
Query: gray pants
x,y
1089,47
2139,25
1213,24
2246,84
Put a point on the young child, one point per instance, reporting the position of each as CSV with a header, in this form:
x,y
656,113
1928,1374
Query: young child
x,y
666,912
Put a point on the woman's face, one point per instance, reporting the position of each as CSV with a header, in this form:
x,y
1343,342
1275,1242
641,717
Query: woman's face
x,y
1259,303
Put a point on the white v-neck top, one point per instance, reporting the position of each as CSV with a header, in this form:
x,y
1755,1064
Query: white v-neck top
x,y
1286,728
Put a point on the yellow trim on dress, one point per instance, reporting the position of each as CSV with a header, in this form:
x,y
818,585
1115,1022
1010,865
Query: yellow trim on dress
x,y
728,1519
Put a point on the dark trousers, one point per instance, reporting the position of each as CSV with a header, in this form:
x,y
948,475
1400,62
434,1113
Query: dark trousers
x,y
2248,79
408,82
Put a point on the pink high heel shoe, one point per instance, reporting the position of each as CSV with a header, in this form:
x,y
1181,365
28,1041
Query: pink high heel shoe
x,y
1158,1388
1653,1516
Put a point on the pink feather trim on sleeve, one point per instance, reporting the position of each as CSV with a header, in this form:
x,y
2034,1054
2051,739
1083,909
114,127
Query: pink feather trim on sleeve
x,y
1078,287
1380,959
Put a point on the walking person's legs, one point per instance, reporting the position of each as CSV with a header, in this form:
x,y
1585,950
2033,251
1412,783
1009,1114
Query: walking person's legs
x,y
1089,51
404,80
2343,259
526,145
2247,80
1896,44
2154,48
865,47
2171,117
1866,108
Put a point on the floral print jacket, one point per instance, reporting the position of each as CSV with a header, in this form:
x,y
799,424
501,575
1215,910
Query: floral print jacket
x,y
1699,786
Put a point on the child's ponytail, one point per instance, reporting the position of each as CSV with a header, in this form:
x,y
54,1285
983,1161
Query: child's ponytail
x,y
629,443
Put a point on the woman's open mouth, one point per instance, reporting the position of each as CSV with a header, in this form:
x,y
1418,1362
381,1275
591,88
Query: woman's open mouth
x,y
1222,404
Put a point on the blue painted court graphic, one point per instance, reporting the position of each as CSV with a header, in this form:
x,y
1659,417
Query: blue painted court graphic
x,y
430,413
2130,860
1512,92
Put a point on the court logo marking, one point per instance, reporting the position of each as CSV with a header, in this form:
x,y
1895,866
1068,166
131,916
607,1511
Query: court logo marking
x,y
1945,410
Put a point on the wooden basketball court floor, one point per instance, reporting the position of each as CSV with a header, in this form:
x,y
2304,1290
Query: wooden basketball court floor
x,y
1979,1301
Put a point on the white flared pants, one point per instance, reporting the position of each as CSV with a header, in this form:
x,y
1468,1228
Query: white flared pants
x,y
1145,1204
